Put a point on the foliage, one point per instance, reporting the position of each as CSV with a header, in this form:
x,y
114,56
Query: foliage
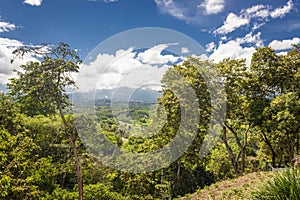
x,y
285,185
40,86
262,123
92,192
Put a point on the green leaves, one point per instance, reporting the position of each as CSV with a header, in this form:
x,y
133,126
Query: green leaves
x,y
42,85
285,185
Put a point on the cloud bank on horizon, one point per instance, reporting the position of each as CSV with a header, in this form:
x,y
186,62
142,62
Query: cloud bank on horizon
x,y
235,33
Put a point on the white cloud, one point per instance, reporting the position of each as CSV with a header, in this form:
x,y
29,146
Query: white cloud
x,y
7,46
202,57
6,27
210,47
34,2
224,37
265,11
284,44
282,53
110,1
109,69
231,23
185,50
170,7
213,6
154,56
256,11
253,9
190,11
125,68
257,25
252,39
281,12
233,49
260,12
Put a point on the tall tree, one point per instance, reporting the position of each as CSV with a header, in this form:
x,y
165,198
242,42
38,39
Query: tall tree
x,y
237,120
40,88
274,94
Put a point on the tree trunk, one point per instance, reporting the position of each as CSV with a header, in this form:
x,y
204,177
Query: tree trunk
x,y
297,143
178,169
244,148
241,146
229,150
72,139
297,139
271,148
243,160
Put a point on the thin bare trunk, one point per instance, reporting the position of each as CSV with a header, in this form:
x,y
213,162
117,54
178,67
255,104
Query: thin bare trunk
x,y
229,150
241,146
178,169
72,139
297,132
271,148
297,143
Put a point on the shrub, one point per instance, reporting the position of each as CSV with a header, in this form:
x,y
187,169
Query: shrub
x,y
90,192
285,185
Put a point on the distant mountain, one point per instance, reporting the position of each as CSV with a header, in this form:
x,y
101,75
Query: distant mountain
x,y
123,94
131,94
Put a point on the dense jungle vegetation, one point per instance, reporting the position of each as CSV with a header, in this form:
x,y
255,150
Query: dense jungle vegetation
x,y
42,156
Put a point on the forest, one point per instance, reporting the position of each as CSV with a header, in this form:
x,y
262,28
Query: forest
x,y
43,157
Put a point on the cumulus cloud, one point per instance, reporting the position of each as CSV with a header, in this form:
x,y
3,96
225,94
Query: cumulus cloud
x,y
210,47
213,6
154,55
7,46
126,68
284,44
6,27
251,39
260,12
234,49
231,23
281,12
34,2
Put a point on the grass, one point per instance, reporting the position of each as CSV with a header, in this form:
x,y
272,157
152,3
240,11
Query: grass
x,y
285,185
238,188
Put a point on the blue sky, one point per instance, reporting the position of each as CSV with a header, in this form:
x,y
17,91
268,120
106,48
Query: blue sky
x,y
225,28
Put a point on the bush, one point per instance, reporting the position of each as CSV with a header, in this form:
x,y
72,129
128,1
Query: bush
x,y
285,185
100,191
90,192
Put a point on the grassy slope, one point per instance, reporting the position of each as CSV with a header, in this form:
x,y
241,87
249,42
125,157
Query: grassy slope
x,y
238,188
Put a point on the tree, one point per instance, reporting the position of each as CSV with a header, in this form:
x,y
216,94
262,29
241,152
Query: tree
x,y
23,173
40,88
275,97
186,89
237,121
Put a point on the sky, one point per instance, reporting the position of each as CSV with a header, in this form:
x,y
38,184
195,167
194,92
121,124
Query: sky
x,y
224,28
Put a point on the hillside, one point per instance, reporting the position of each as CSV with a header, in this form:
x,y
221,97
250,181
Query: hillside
x,y
238,188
